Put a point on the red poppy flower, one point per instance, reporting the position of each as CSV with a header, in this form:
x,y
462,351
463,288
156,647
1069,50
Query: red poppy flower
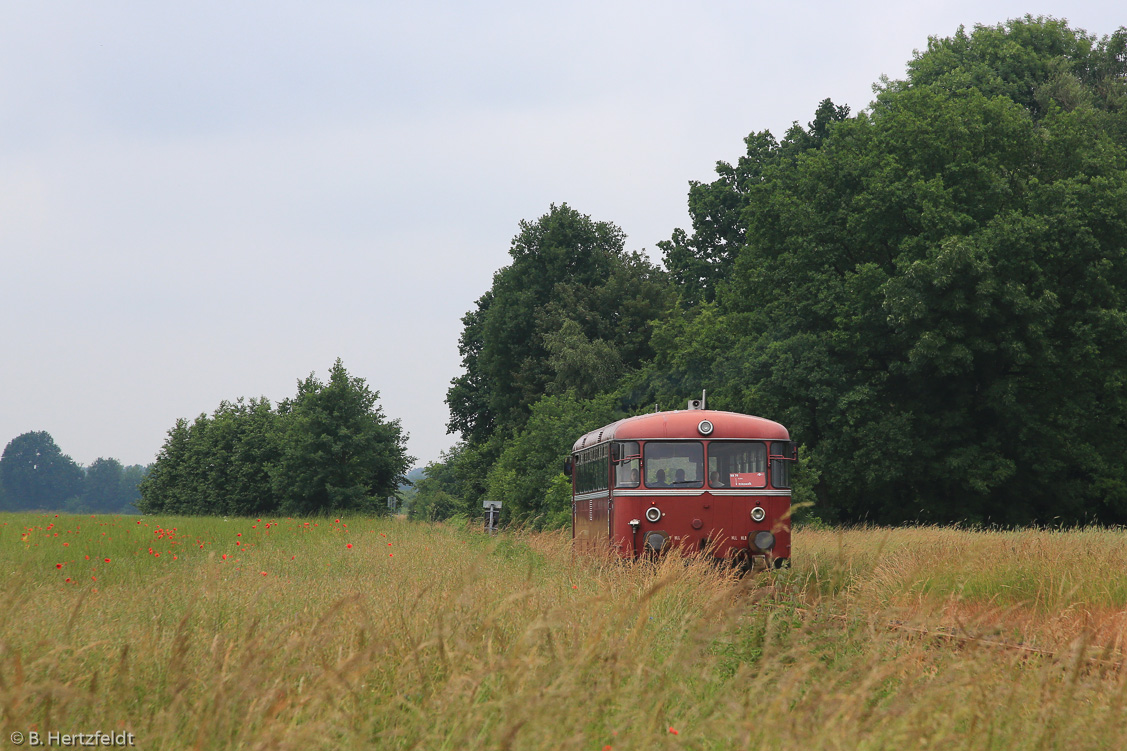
x,y
107,560
58,565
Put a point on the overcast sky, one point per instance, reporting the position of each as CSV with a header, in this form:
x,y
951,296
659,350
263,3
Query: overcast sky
x,y
207,200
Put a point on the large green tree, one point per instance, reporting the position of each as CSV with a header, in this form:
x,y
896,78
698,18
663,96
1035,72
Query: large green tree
x,y
932,294
570,316
102,486
700,261
573,310
338,452
328,449
37,474
217,464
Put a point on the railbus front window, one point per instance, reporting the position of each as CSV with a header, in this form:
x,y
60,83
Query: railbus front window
x,y
737,464
674,464
629,464
780,464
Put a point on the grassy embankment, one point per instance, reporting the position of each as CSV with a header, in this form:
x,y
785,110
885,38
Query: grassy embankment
x,y
433,637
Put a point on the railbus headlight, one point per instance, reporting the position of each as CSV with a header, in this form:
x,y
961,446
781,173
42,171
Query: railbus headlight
x,y
758,514
656,541
653,514
763,541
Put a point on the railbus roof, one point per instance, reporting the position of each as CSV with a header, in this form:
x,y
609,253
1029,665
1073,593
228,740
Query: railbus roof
x,y
683,423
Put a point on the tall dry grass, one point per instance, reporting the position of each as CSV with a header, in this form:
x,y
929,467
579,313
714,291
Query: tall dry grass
x,y
448,639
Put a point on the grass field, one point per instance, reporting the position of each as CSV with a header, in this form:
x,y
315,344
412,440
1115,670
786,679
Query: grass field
x,y
359,633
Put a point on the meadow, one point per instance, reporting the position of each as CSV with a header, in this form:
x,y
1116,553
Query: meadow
x,y
379,633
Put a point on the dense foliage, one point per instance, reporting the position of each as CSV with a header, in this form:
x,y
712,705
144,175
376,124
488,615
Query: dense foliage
x,y
931,295
36,475
327,449
566,320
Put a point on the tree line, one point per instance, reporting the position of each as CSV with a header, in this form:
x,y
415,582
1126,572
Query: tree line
x,y
328,449
35,475
930,294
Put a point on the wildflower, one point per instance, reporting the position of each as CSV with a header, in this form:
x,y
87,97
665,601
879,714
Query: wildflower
x,y
349,546
673,730
66,544
58,565
69,581
107,560
263,573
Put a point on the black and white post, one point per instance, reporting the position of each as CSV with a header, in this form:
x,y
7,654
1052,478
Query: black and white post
x,y
492,515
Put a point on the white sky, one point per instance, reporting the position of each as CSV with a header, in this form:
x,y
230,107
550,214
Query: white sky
x,y
207,200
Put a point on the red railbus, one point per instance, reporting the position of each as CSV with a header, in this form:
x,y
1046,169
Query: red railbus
x,y
703,481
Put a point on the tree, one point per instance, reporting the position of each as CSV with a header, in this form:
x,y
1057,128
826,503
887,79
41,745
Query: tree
x,y
37,475
570,274
130,494
337,451
528,477
699,262
932,297
172,485
101,487
571,314
328,449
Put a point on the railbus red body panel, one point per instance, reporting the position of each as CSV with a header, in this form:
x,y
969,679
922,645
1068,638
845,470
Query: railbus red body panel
x,y
699,480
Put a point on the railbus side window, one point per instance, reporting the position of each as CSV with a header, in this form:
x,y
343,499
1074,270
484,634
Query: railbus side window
x,y
602,467
780,464
628,466
737,464
674,464
592,467
583,481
